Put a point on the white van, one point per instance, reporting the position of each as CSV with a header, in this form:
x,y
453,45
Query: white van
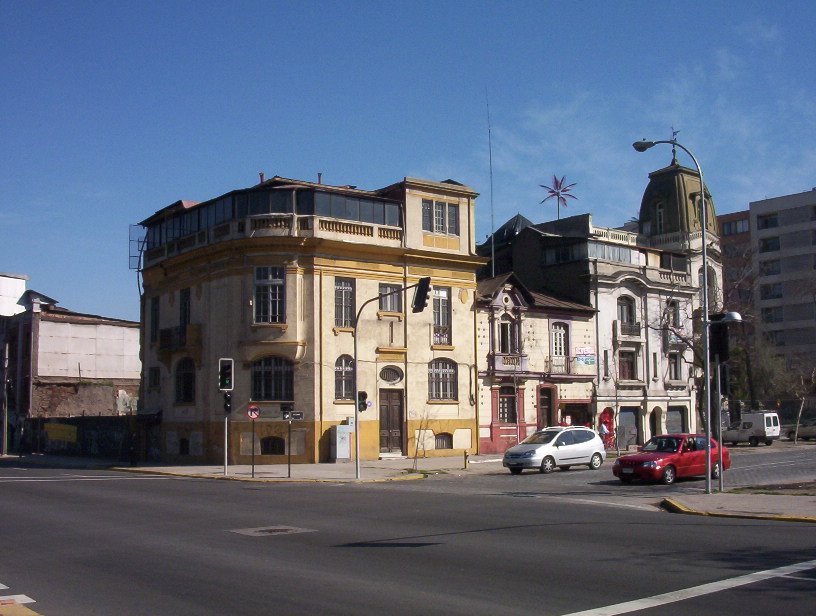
x,y
754,428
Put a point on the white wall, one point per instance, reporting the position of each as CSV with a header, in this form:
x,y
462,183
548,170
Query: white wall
x,y
89,351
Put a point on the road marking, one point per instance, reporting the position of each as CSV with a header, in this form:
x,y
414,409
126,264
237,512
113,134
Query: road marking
x,y
695,591
16,599
77,478
3,586
608,504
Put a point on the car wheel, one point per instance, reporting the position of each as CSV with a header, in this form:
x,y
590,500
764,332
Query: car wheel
x,y
595,462
715,471
753,441
669,475
515,471
769,442
547,465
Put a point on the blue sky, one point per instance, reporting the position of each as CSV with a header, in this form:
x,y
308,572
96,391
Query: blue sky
x,y
113,110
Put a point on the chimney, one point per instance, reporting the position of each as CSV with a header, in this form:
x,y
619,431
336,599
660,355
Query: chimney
x,y
261,175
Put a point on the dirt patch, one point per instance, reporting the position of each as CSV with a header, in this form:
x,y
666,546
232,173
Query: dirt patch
x,y
805,488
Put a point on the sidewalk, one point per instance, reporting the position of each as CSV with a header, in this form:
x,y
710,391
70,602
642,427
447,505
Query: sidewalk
x,y
780,507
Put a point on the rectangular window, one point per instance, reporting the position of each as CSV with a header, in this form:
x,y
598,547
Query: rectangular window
x,y
767,221
606,363
344,311
627,366
442,315
184,308
770,291
154,319
453,219
769,244
442,380
675,367
742,226
440,208
772,315
507,405
270,295
427,215
393,301
769,268
154,378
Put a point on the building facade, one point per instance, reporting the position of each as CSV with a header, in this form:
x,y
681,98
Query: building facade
x,y
61,367
644,284
536,362
783,235
273,277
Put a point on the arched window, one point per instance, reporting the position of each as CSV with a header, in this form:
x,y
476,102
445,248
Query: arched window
x,y
672,313
442,380
185,381
273,379
273,446
507,404
508,334
344,378
626,309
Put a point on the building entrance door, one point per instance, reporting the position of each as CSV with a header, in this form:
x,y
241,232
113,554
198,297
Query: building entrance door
x,y
392,417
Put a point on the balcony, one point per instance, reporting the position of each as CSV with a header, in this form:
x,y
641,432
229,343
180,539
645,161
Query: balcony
x,y
671,340
508,362
180,339
441,334
627,331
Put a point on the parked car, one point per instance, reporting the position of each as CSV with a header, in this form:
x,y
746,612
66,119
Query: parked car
x,y
558,446
753,428
807,429
670,456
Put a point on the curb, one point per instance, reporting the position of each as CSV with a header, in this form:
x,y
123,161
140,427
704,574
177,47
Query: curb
x,y
145,471
673,506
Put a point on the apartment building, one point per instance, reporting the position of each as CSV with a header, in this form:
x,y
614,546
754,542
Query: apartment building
x,y
783,237
273,276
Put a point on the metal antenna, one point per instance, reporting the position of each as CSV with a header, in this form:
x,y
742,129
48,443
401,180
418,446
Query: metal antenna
x,y
492,222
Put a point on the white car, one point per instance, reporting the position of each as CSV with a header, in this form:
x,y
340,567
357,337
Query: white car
x,y
560,447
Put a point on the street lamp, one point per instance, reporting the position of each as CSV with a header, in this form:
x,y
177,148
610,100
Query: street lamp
x,y
642,146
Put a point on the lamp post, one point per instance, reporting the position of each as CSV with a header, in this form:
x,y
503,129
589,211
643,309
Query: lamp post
x,y
642,146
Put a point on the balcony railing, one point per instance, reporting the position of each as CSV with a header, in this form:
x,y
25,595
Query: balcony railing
x,y
628,330
181,337
441,334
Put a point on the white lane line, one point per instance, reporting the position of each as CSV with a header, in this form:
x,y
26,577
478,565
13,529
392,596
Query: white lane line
x,y
3,586
695,591
606,504
17,599
75,478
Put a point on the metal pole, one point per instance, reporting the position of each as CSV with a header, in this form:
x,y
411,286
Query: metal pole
x,y
289,451
226,432
253,449
642,146
4,448
719,419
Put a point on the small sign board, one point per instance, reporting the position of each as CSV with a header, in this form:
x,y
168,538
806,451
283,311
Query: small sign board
x,y
253,412
297,415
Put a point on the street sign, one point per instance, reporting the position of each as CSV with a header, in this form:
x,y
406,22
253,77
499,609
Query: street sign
x,y
253,412
297,415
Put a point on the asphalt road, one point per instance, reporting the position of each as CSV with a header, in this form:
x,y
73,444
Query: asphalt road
x,y
99,542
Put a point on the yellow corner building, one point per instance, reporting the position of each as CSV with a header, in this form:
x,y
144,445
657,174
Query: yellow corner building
x,y
273,277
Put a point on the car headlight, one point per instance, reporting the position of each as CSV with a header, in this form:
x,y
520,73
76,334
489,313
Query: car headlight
x,y
529,454
651,464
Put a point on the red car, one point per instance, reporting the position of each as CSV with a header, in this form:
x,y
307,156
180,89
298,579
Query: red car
x,y
669,456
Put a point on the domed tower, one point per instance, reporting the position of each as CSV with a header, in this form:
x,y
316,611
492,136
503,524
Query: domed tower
x,y
670,220
670,209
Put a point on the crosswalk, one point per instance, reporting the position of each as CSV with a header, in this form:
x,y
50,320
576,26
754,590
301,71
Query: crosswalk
x,y
15,605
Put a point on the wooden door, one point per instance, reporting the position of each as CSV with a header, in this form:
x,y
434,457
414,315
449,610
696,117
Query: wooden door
x,y
391,420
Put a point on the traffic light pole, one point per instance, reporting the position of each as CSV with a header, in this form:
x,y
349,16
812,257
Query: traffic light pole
x,y
425,284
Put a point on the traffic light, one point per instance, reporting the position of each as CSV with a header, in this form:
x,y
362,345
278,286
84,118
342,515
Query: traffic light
x,y
362,396
422,294
718,338
227,402
225,374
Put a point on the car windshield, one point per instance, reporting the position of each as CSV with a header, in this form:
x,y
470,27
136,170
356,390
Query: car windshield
x,y
669,445
539,438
